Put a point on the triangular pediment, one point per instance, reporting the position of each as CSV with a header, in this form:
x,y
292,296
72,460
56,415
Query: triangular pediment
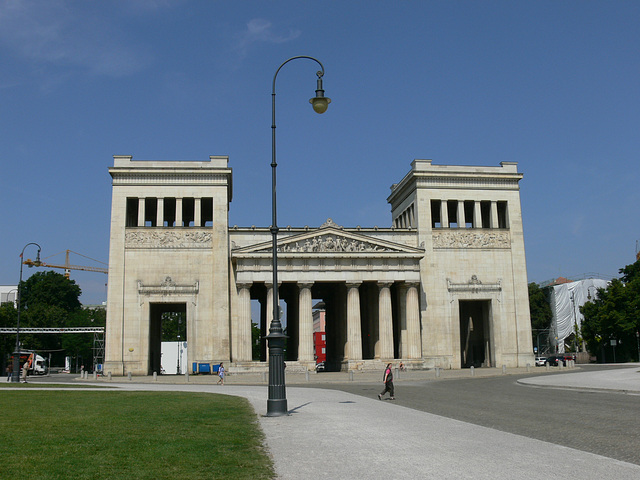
x,y
331,240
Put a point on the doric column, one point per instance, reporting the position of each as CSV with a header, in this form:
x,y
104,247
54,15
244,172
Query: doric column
x,y
477,215
197,212
243,329
305,323
354,330
160,213
141,202
414,344
385,322
462,223
494,214
444,214
178,212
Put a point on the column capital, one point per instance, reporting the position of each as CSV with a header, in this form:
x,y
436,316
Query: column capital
x,y
243,285
384,284
303,285
353,284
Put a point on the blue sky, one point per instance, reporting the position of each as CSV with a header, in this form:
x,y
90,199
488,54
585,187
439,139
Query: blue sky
x,y
550,85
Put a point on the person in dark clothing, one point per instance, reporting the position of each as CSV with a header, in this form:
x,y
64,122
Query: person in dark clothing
x,y
388,383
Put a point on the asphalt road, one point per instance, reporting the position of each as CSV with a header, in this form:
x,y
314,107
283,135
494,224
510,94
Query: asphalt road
x,y
604,423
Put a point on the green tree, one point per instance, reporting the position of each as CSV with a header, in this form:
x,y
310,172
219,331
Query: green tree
x,y
614,315
255,341
50,288
539,307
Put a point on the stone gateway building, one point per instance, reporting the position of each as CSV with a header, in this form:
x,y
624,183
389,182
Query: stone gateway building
x,y
444,286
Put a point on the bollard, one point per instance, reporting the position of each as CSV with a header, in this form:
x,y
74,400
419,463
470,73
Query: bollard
x,y
129,375
95,375
109,375
397,374
186,376
504,369
528,367
546,364
437,372
155,376
264,376
306,375
473,370
351,375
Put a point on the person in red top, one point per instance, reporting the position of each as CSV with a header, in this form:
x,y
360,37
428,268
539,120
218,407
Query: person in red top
x,y
388,383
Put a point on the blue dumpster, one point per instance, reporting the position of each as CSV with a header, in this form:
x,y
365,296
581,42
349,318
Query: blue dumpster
x,y
194,369
204,368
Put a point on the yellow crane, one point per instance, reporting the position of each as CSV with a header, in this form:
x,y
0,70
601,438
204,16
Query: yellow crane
x,y
67,265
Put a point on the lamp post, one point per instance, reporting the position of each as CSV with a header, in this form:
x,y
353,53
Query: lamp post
x,y
15,378
277,401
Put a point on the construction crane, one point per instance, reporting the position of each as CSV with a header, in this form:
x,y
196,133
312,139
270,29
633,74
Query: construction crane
x,y
67,265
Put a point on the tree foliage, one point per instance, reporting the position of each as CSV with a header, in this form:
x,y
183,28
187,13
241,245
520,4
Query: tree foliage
x,y
539,307
50,300
50,288
614,315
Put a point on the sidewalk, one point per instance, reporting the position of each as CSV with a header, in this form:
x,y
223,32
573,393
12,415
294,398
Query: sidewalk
x,y
333,434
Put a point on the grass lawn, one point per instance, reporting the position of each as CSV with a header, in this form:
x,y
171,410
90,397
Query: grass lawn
x,y
129,435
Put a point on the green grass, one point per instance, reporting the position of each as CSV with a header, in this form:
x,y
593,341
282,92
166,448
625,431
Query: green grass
x,y
129,435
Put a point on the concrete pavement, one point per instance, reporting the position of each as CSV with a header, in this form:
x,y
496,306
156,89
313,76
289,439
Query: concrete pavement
x,y
333,434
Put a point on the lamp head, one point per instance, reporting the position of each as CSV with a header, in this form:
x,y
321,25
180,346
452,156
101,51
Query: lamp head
x,y
320,102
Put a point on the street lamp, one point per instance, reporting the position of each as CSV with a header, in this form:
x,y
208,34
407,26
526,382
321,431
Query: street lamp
x,y
277,401
16,354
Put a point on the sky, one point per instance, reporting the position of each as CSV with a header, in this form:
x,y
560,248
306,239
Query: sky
x,y
552,85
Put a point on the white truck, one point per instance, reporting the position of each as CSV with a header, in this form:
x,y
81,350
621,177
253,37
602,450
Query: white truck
x,y
38,365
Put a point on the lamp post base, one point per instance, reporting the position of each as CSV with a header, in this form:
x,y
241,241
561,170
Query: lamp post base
x,y
277,407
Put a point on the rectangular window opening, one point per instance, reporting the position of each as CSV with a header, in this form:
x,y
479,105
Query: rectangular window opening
x,y
435,214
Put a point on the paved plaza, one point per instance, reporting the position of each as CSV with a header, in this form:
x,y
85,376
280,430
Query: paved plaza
x,y
332,433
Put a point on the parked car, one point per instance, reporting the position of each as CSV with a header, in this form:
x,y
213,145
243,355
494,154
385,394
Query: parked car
x,y
540,361
554,360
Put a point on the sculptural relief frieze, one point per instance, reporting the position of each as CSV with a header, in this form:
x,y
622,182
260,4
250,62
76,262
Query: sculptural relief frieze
x,y
467,239
331,244
167,239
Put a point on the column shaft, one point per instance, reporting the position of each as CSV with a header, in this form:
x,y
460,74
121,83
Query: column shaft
x,y
305,324
385,322
477,215
141,204
244,328
414,345
354,329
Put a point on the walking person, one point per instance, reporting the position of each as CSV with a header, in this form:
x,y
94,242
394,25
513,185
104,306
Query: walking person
x,y
388,383
9,371
25,370
221,374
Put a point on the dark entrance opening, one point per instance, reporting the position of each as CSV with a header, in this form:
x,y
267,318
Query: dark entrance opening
x,y
167,323
475,346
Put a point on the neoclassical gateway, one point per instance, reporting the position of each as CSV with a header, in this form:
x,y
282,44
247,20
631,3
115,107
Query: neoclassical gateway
x,y
444,286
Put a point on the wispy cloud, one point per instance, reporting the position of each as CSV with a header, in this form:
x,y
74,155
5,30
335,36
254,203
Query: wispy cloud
x,y
259,31
55,33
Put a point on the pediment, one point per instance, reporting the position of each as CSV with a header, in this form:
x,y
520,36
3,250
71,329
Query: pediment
x,y
330,240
